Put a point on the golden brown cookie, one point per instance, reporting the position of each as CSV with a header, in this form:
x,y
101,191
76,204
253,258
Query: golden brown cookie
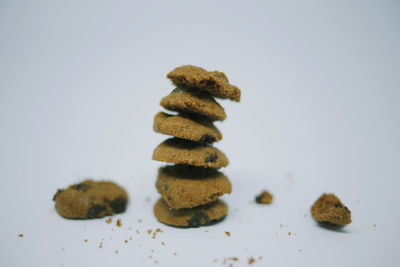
x,y
180,151
89,199
185,186
329,208
194,217
184,100
214,82
190,127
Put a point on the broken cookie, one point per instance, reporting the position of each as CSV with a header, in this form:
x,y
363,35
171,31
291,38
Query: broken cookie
x,y
328,208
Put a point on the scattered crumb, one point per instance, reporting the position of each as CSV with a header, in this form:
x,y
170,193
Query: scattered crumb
x,y
63,249
140,220
21,235
156,262
227,233
130,238
149,231
234,258
175,254
251,260
289,233
259,258
137,231
281,225
109,220
264,198
374,225
163,243
158,230
101,245
150,257
206,231
119,223
116,252
148,199
85,240
126,241
305,215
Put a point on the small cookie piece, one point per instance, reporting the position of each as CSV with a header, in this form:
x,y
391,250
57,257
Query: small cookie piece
x,y
194,217
185,186
184,100
89,200
329,208
185,126
214,82
264,198
180,151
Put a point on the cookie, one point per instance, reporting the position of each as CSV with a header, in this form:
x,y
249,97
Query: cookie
x,y
184,100
214,82
194,217
264,198
180,151
185,186
89,199
329,208
185,126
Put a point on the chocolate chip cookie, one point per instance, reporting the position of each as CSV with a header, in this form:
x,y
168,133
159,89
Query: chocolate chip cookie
x,y
194,217
90,199
214,82
180,151
187,126
185,186
191,101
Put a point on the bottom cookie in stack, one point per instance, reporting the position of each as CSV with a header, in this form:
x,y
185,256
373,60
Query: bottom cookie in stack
x,y
193,217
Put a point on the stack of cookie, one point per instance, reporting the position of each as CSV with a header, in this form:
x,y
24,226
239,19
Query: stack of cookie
x,y
190,188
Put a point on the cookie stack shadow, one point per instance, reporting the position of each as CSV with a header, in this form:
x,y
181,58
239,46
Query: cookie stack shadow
x,y
190,187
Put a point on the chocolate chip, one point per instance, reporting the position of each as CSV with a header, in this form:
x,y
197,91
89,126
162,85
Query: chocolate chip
x,y
58,192
207,139
198,219
95,210
80,187
211,158
118,205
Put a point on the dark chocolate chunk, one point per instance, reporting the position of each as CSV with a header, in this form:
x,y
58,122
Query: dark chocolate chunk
x,y
95,210
118,205
207,139
58,192
80,187
198,219
211,158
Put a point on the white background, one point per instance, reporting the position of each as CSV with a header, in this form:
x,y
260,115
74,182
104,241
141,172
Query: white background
x,y
81,81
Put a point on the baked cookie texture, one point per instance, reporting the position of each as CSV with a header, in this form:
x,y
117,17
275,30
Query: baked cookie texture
x,y
214,82
184,186
184,100
180,151
90,199
194,217
191,188
189,127
328,208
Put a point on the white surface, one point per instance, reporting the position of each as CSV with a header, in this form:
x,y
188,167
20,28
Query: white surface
x,y
80,83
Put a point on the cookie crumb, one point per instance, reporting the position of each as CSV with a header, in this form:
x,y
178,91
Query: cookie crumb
x,y
281,225
175,254
251,260
227,233
126,241
149,231
163,243
101,245
264,198
109,220
329,209
140,220
21,235
130,238
234,258
137,231
374,225
289,233
119,223
116,252
85,240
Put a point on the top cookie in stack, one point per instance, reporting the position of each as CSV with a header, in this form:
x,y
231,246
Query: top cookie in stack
x,y
190,188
